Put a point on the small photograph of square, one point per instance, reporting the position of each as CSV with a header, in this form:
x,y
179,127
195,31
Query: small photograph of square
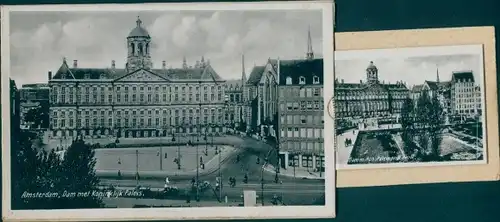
x,y
403,107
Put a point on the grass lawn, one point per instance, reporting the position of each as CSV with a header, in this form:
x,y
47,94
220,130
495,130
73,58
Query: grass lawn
x,y
374,145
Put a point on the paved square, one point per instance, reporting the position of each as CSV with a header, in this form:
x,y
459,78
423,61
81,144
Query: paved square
x,y
149,158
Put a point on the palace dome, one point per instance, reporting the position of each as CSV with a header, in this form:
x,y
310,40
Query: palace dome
x,y
139,31
371,66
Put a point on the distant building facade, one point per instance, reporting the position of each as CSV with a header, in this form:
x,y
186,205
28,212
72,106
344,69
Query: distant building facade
x,y
15,115
261,94
465,94
235,104
33,96
369,99
438,88
138,100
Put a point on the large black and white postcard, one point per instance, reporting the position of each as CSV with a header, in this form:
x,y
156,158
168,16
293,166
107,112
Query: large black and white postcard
x,y
167,111
419,106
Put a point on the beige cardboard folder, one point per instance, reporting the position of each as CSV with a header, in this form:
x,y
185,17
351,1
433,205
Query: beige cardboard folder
x,y
426,38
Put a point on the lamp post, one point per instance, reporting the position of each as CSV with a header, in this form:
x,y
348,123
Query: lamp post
x,y
197,148
137,167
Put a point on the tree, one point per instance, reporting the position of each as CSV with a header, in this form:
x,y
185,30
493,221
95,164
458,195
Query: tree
x,y
24,164
38,117
78,175
408,125
46,172
429,117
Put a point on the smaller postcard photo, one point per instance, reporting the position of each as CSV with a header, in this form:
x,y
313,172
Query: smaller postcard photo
x,y
167,111
416,106
410,107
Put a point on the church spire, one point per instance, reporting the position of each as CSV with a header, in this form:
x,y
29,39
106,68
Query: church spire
x,y
437,75
310,53
243,75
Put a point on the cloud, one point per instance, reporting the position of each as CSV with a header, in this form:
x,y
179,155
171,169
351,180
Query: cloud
x,y
41,39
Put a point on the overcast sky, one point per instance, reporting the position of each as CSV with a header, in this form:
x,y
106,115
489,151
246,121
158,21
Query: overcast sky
x,y
413,70
40,40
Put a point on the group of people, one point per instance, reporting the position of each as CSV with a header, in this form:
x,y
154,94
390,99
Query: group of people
x,y
348,142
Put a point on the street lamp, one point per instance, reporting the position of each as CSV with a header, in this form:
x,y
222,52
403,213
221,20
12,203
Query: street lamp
x,y
137,167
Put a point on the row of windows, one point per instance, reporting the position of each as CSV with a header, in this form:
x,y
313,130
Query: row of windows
x,y
164,89
295,132
478,100
175,112
369,106
302,92
139,122
302,119
467,106
306,161
303,105
134,98
302,80
310,147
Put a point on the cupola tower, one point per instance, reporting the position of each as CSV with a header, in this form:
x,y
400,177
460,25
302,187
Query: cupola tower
x,y
139,48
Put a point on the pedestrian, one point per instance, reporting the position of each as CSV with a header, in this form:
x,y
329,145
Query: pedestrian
x,y
165,155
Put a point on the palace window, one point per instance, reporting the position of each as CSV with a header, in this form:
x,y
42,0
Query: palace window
x,y
302,80
87,76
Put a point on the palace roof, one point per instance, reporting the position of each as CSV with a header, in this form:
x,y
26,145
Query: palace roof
x,y
205,73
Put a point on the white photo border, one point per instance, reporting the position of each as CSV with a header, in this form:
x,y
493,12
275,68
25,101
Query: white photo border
x,y
194,213
443,50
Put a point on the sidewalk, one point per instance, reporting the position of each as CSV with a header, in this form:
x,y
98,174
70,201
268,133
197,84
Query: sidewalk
x,y
211,166
297,173
131,202
344,152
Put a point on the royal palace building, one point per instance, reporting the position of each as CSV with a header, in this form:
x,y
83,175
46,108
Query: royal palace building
x,y
371,99
137,100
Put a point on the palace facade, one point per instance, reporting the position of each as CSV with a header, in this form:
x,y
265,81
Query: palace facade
x,y
369,99
137,100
